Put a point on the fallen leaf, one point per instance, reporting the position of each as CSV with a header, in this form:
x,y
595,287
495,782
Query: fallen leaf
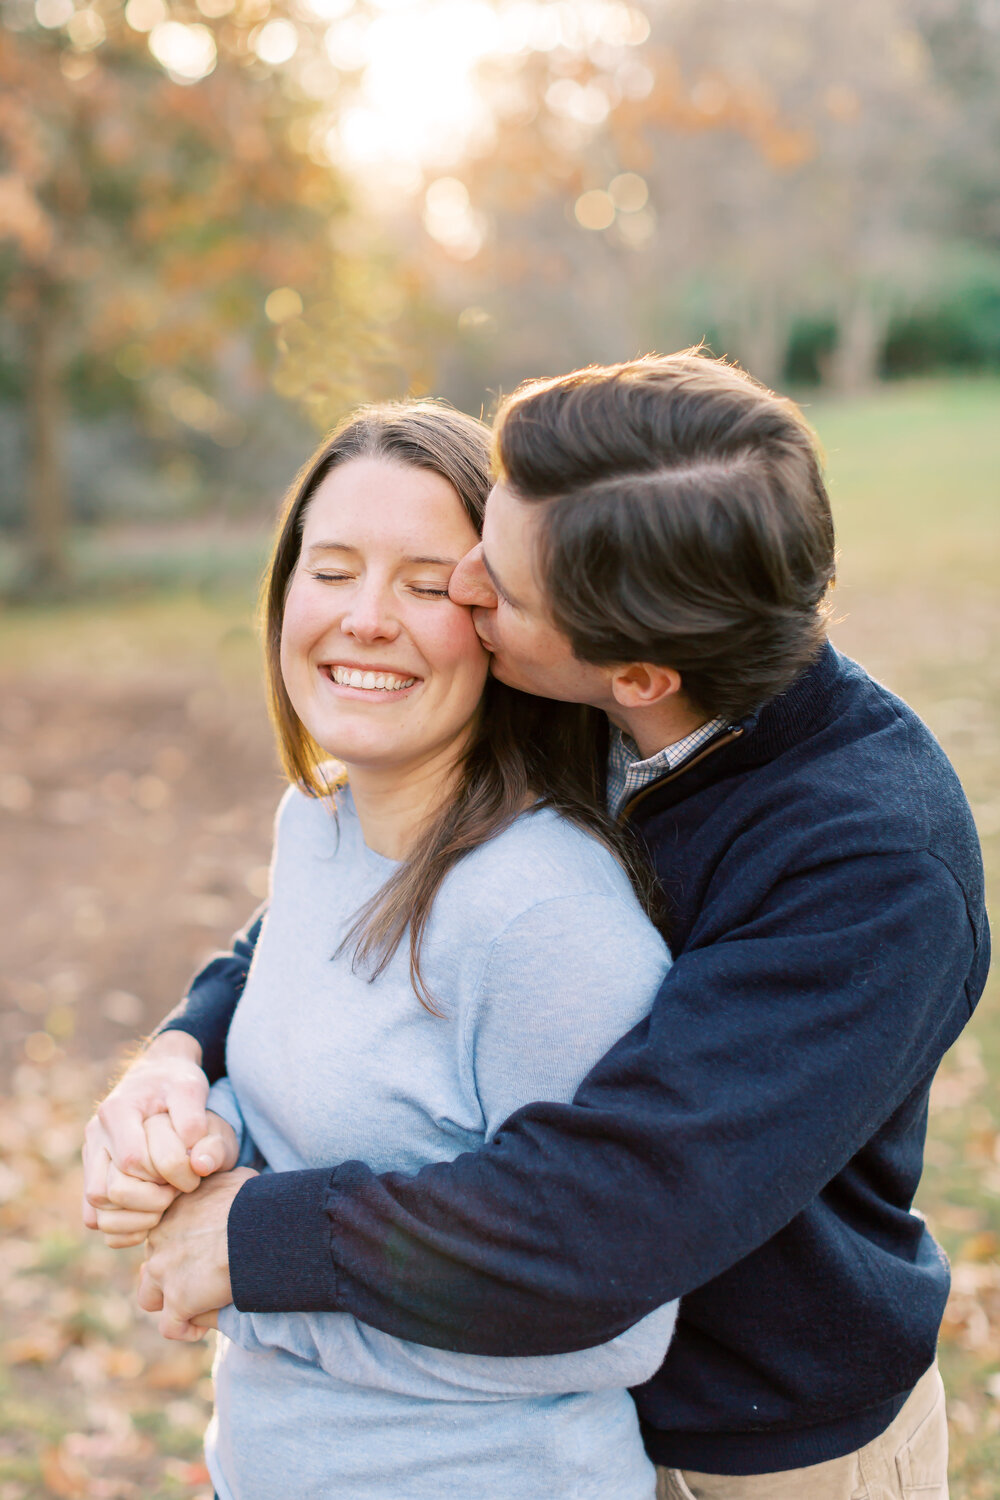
x,y
177,1372
64,1475
981,1247
122,1363
41,1347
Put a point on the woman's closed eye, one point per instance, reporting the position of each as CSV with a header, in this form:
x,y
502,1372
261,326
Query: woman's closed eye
x,y
422,590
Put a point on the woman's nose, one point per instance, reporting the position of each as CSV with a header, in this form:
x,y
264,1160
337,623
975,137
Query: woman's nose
x,y
470,583
370,615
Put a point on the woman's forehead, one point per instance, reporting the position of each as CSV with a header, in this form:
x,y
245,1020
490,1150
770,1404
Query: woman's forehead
x,y
377,497
383,492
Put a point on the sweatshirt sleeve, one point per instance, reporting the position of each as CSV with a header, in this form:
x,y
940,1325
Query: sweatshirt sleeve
x,y
222,1101
682,1150
213,995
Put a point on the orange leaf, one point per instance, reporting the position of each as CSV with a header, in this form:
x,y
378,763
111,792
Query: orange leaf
x,y
64,1476
177,1372
981,1247
43,1347
122,1363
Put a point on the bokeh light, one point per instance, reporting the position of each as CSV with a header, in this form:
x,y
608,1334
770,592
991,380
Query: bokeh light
x,y
283,304
419,98
595,209
187,53
86,29
588,103
628,192
144,15
276,42
330,10
450,218
53,13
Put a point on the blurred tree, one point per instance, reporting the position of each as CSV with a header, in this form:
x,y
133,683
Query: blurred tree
x,y
798,182
164,211
612,211
964,41
710,168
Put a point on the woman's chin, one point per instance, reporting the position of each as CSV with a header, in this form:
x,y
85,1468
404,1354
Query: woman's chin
x,y
361,757
357,737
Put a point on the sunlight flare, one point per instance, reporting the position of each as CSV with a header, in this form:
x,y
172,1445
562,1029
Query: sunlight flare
x,y
419,99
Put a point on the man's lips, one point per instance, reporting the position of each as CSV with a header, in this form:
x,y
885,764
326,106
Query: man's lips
x,y
484,639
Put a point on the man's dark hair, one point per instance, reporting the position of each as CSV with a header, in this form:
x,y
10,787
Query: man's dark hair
x,y
686,521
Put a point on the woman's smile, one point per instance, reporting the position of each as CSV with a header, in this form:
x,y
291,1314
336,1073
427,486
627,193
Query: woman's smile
x,y
377,682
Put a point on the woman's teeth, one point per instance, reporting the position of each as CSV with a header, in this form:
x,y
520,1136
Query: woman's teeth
x,y
384,681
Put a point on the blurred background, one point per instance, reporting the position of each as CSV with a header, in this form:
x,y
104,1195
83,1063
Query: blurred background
x,y
222,224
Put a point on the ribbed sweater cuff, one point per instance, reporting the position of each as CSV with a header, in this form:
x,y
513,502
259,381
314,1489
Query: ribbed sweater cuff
x,y
279,1244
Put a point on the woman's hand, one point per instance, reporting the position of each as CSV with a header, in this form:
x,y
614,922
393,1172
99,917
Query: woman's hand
x,y
132,1206
165,1079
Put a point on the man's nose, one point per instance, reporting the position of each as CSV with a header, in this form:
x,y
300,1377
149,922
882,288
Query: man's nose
x,y
470,583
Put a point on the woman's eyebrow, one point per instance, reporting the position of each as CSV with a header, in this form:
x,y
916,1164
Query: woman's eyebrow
x,y
329,547
434,562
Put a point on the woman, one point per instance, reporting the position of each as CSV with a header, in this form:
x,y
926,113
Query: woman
x,y
451,934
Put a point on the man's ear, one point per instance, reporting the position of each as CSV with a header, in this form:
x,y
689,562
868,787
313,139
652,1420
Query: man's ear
x,y
641,684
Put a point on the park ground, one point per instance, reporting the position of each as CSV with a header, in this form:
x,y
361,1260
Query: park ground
x,y
137,786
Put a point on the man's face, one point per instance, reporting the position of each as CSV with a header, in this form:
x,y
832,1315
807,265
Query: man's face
x,y
497,579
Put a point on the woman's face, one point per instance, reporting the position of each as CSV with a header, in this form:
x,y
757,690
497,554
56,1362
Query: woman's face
x,y
382,668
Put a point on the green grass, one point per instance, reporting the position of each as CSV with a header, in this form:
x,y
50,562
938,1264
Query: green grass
x,y
125,636
914,475
915,478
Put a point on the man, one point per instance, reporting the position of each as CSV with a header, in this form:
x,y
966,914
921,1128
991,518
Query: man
x,y
659,545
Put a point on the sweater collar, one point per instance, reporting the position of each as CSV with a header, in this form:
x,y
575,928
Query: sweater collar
x,y
781,723
785,720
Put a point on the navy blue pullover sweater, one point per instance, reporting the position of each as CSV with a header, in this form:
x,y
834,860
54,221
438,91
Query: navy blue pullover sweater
x,y
753,1146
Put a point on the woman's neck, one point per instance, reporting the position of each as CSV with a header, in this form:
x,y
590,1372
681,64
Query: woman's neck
x,y
394,806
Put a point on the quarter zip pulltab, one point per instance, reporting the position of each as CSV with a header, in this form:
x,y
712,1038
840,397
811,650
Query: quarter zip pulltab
x,y
633,801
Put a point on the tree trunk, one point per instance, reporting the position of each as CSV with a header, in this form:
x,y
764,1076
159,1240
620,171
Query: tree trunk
x,y
47,566
854,360
760,328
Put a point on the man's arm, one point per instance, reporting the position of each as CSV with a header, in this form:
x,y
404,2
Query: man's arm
x,y
771,1056
212,996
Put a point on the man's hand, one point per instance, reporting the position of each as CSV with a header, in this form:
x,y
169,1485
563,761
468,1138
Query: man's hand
x,y
187,1272
165,1080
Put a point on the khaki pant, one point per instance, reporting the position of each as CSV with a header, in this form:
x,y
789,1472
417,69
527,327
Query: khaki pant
x,y
909,1461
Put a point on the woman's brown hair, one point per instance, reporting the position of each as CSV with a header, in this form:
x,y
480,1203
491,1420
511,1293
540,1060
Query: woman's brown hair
x,y
525,750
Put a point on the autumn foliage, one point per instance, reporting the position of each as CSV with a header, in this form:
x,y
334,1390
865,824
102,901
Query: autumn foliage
x,y
148,218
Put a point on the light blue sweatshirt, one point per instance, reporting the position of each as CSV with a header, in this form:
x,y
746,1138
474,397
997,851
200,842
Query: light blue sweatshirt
x,y
539,958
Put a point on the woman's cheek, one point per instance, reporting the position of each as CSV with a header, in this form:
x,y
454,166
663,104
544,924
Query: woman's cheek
x,y
303,621
460,644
